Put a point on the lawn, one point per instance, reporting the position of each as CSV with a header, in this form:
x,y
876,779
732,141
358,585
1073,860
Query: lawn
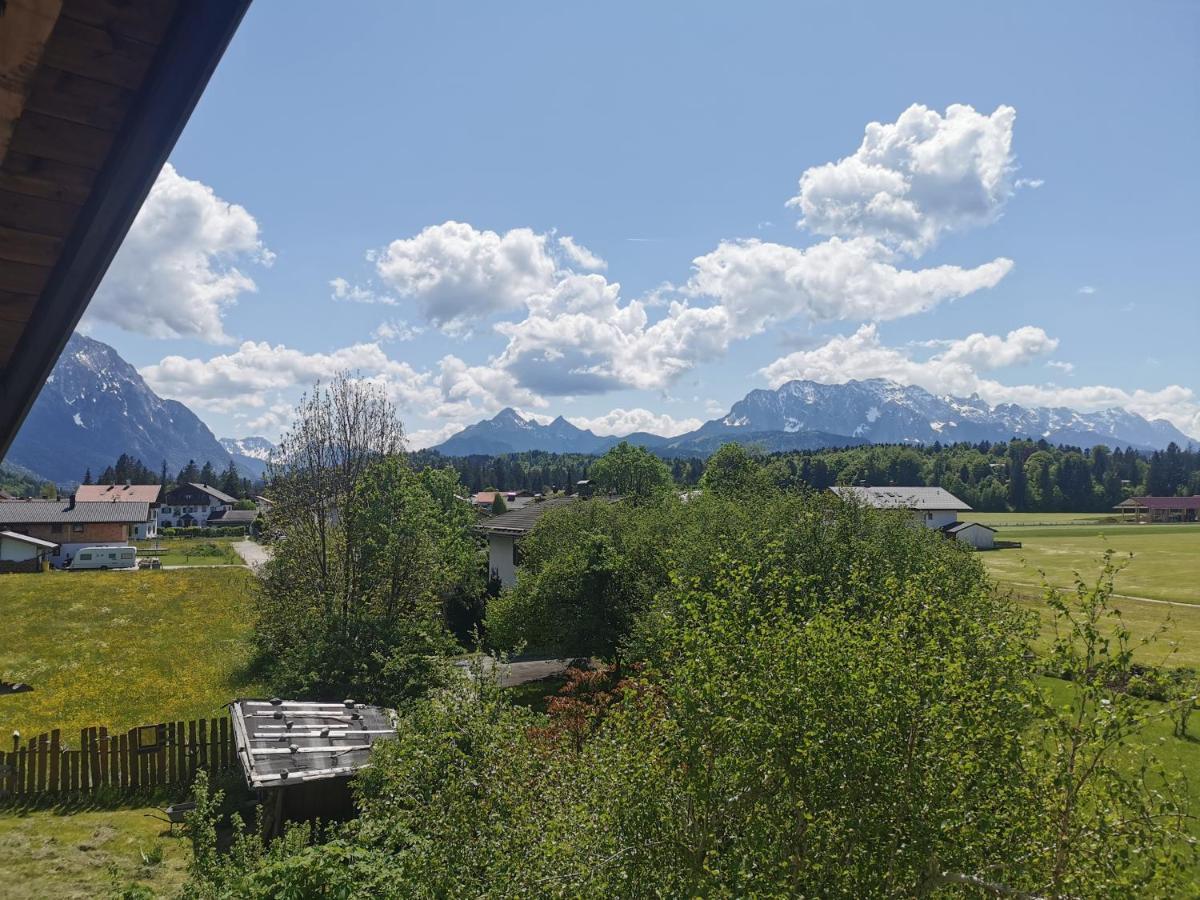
x,y
998,519
123,648
1165,562
191,551
88,853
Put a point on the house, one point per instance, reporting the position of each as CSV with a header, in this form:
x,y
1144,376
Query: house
x,y
933,507
976,534
22,553
505,531
192,504
126,493
1161,509
72,525
299,756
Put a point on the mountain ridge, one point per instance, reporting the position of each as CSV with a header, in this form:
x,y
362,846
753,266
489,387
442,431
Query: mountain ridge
x,y
811,415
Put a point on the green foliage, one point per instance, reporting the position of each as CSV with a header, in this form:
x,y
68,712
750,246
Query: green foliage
x,y
733,471
630,471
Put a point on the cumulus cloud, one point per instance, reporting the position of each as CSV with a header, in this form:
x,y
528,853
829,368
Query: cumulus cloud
x,y
580,255
957,370
457,274
912,180
621,422
759,283
343,290
177,271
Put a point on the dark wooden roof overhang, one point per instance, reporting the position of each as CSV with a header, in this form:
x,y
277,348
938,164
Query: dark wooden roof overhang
x,y
93,96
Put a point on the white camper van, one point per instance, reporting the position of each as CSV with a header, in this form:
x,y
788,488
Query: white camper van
x,y
105,558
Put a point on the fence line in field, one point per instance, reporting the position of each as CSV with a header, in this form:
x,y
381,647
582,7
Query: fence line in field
x,y
142,757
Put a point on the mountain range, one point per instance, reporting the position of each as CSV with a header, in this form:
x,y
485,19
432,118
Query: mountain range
x,y
801,415
95,406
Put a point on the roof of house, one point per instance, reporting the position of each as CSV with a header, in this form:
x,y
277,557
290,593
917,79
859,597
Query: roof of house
x,y
54,512
919,498
282,742
521,521
1160,503
233,517
93,96
136,493
26,539
213,492
956,527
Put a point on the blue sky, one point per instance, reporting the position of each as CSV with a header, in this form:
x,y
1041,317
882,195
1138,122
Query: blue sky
x,y
1024,225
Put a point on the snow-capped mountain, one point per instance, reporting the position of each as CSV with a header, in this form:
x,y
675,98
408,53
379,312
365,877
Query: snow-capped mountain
x,y
250,453
253,447
808,415
94,407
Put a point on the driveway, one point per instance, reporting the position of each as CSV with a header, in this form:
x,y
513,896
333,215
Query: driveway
x,y
254,554
511,674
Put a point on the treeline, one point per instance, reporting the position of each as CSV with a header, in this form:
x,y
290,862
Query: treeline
x,y
129,469
1018,475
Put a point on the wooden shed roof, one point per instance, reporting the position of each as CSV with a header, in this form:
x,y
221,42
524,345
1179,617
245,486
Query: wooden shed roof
x,y
93,95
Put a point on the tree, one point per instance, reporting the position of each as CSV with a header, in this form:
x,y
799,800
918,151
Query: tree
x,y
208,475
630,472
732,471
351,602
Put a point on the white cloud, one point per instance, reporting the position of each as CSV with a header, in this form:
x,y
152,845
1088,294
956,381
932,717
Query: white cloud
x,y
458,274
913,180
626,421
957,371
581,255
1087,289
760,283
177,270
395,330
343,290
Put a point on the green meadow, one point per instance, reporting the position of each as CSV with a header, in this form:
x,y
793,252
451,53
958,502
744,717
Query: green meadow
x,y
123,648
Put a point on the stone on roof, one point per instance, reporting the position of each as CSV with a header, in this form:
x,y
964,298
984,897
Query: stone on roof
x,y
283,742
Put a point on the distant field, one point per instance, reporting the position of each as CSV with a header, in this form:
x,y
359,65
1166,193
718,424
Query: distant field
x,y
123,648
191,551
1165,562
996,519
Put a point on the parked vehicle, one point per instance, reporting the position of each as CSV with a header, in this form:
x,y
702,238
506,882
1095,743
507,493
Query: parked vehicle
x,y
105,558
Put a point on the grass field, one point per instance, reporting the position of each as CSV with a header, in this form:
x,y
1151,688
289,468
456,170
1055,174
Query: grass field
x,y
123,648
191,551
998,519
88,853
1165,562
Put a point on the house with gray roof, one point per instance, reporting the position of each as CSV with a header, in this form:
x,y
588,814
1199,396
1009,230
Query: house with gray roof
x,y
504,532
73,525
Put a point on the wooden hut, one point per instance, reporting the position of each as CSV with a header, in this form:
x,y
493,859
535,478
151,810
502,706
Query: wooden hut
x,y
299,756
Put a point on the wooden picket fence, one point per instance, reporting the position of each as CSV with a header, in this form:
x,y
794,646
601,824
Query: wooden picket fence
x,y
138,759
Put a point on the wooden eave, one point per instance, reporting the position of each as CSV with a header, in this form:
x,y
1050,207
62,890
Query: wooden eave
x,y
93,96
